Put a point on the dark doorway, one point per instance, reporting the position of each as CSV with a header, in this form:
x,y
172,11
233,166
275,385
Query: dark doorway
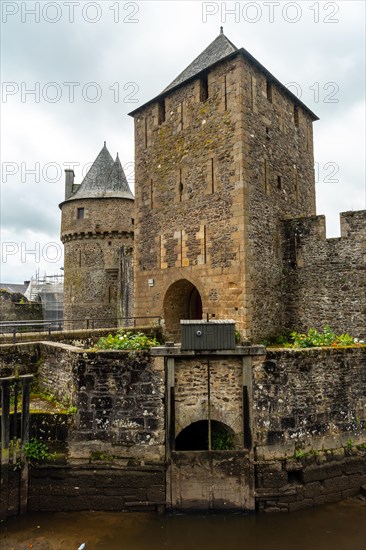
x,y
182,301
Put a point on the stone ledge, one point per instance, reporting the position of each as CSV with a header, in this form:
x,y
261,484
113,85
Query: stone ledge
x,y
176,351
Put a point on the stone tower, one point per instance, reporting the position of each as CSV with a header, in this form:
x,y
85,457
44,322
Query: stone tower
x,y
222,156
97,232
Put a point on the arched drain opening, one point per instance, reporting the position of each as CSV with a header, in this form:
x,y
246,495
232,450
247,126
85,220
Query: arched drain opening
x,y
196,436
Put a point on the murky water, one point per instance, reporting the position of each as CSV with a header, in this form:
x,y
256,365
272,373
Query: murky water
x,y
340,526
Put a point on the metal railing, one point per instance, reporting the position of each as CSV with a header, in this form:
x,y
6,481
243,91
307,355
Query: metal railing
x,y
23,330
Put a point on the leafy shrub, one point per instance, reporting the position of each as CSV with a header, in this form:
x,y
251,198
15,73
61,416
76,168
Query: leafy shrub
x,y
36,450
318,339
312,339
127,340
222,440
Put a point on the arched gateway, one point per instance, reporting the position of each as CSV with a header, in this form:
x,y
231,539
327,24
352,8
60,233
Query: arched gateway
x,y
182,301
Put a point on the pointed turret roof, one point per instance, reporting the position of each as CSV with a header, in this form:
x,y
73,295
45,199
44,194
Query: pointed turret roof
x,y
104,179
117,181
217,50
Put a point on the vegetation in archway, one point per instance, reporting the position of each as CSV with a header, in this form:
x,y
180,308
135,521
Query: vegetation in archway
x,y
195,437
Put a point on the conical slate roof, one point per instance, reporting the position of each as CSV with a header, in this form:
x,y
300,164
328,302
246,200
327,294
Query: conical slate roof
x,y
217,50
105,179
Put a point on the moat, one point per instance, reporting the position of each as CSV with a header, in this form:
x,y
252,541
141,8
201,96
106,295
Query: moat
x,y
340,526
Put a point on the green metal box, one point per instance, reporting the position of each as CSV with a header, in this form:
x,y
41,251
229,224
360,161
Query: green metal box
x,y
208,335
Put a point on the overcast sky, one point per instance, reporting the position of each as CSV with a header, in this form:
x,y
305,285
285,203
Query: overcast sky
x,y
71,71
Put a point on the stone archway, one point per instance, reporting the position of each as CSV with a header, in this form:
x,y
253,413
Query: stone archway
x,y
182,301
204,435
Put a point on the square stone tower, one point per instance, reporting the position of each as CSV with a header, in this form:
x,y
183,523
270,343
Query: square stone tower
x,y
222,156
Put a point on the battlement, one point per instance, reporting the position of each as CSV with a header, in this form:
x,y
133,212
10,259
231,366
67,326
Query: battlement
x,y
325,279
353,226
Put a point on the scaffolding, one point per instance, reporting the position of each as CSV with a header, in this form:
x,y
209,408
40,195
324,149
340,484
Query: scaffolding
x,y
49,290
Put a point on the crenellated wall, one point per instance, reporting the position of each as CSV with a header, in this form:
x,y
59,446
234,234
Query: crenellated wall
x,y
325,279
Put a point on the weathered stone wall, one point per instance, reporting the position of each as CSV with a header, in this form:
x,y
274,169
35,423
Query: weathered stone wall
x,y
214,180
96,487
279,177
210,387
19,359
306,415
309,399
13,309
56,371
120,405
119,396
326,476
325,279
189,197
92,257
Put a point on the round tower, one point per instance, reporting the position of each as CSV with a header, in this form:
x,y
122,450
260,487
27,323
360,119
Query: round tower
x,y
97,232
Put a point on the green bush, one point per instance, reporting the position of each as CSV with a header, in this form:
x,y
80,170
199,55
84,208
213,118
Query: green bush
x,y
127,340
318,339
312,339
36,450
222,440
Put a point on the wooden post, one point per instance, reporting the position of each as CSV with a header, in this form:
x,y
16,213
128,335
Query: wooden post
x,y
5,432
26,380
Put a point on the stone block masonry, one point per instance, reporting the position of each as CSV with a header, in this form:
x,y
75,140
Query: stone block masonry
x,y
94,248
96,487
309,399
325,279
297,416
213,181
120,405
318,478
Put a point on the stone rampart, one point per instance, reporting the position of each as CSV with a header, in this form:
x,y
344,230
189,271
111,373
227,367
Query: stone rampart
x,y
325,279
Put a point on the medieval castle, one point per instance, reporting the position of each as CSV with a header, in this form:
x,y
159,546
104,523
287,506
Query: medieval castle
x,y
223,224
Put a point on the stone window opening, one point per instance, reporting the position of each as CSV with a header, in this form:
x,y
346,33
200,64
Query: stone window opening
x,y
132,221
161,112
145,133
180,186
279,182
267,133
296,116
265,177
182,115
253,90
296,177
80,212
151,194
225,93
212,177
204,88
269,91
